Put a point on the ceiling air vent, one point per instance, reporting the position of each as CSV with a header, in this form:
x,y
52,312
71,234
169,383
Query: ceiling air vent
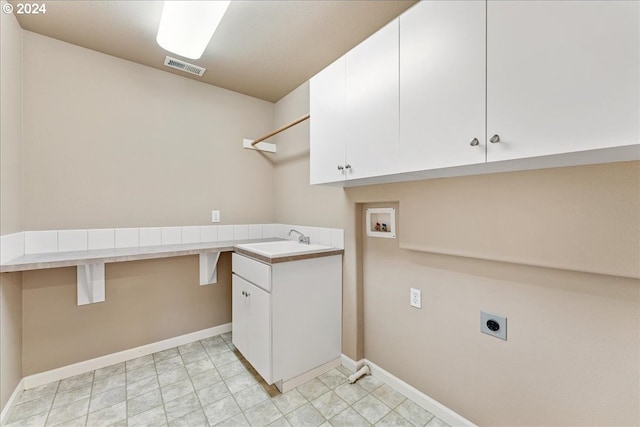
x,y
184,66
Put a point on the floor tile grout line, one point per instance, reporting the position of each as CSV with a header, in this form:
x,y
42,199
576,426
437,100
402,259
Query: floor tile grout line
x,y
51,404
242,411
126,393
93,380
164,407
234,399
194,387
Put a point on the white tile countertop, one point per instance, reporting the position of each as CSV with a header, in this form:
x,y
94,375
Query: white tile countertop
x,y
33,250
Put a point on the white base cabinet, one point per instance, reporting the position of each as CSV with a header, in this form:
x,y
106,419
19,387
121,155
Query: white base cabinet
x,y
289,321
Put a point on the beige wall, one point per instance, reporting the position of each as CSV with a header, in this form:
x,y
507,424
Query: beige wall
x,y
11,120
573,349
10,334
110,143
578,218
574,338
145,302
10,199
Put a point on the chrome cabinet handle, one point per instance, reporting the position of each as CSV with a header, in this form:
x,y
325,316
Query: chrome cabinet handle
x,y
474,142
340,167
495,138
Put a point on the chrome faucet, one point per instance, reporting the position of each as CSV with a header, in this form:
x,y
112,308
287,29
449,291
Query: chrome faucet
x,y
302,238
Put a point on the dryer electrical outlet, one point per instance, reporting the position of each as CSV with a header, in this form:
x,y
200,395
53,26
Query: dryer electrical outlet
x,y
493,324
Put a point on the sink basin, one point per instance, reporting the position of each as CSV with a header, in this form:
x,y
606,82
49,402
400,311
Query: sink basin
x,y
282,248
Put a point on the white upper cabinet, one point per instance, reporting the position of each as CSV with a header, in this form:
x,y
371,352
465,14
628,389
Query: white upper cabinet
x,y
563,76
372,105
442,84
354,110
327,92
462,87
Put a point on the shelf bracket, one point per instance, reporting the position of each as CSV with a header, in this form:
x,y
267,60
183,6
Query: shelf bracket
x,y
90,283
261,146
209,268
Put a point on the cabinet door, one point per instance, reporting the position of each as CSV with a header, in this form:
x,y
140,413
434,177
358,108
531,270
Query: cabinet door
x,y
373,105
442,84
259,307
328,120
239,315
562,76
251,317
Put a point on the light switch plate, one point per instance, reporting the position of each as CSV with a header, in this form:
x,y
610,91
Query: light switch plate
x,y
215,216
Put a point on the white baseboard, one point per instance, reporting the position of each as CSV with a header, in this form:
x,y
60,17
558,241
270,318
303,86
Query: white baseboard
x,y
351,364
122,356
285,386
18,390
436,408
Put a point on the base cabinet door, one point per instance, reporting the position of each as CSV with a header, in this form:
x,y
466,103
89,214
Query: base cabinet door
x,y
251,317
260,333
562,76
239,315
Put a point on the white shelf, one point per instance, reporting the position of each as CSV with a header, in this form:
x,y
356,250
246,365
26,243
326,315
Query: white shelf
x,y
97,256
90,263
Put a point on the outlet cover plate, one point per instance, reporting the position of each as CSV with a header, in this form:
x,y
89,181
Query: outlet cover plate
x,y
415,298
215,216
485,317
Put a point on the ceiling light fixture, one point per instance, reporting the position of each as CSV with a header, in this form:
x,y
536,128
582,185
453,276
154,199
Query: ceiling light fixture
x,y
187,26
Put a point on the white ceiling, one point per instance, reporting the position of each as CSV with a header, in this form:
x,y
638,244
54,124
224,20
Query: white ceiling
x,y
262,48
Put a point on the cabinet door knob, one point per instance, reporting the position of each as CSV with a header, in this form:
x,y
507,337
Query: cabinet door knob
x,y
495,138
340,167
474,142
247,294
243,293
347,166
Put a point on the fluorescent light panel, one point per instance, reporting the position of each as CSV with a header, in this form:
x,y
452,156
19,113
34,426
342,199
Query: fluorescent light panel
x,y
187,26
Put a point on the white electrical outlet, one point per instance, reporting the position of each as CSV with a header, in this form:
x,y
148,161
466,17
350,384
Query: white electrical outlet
x,y
215,216
415,298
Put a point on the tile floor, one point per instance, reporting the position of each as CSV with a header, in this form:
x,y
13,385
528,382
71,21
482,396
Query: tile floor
x,y
205,383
